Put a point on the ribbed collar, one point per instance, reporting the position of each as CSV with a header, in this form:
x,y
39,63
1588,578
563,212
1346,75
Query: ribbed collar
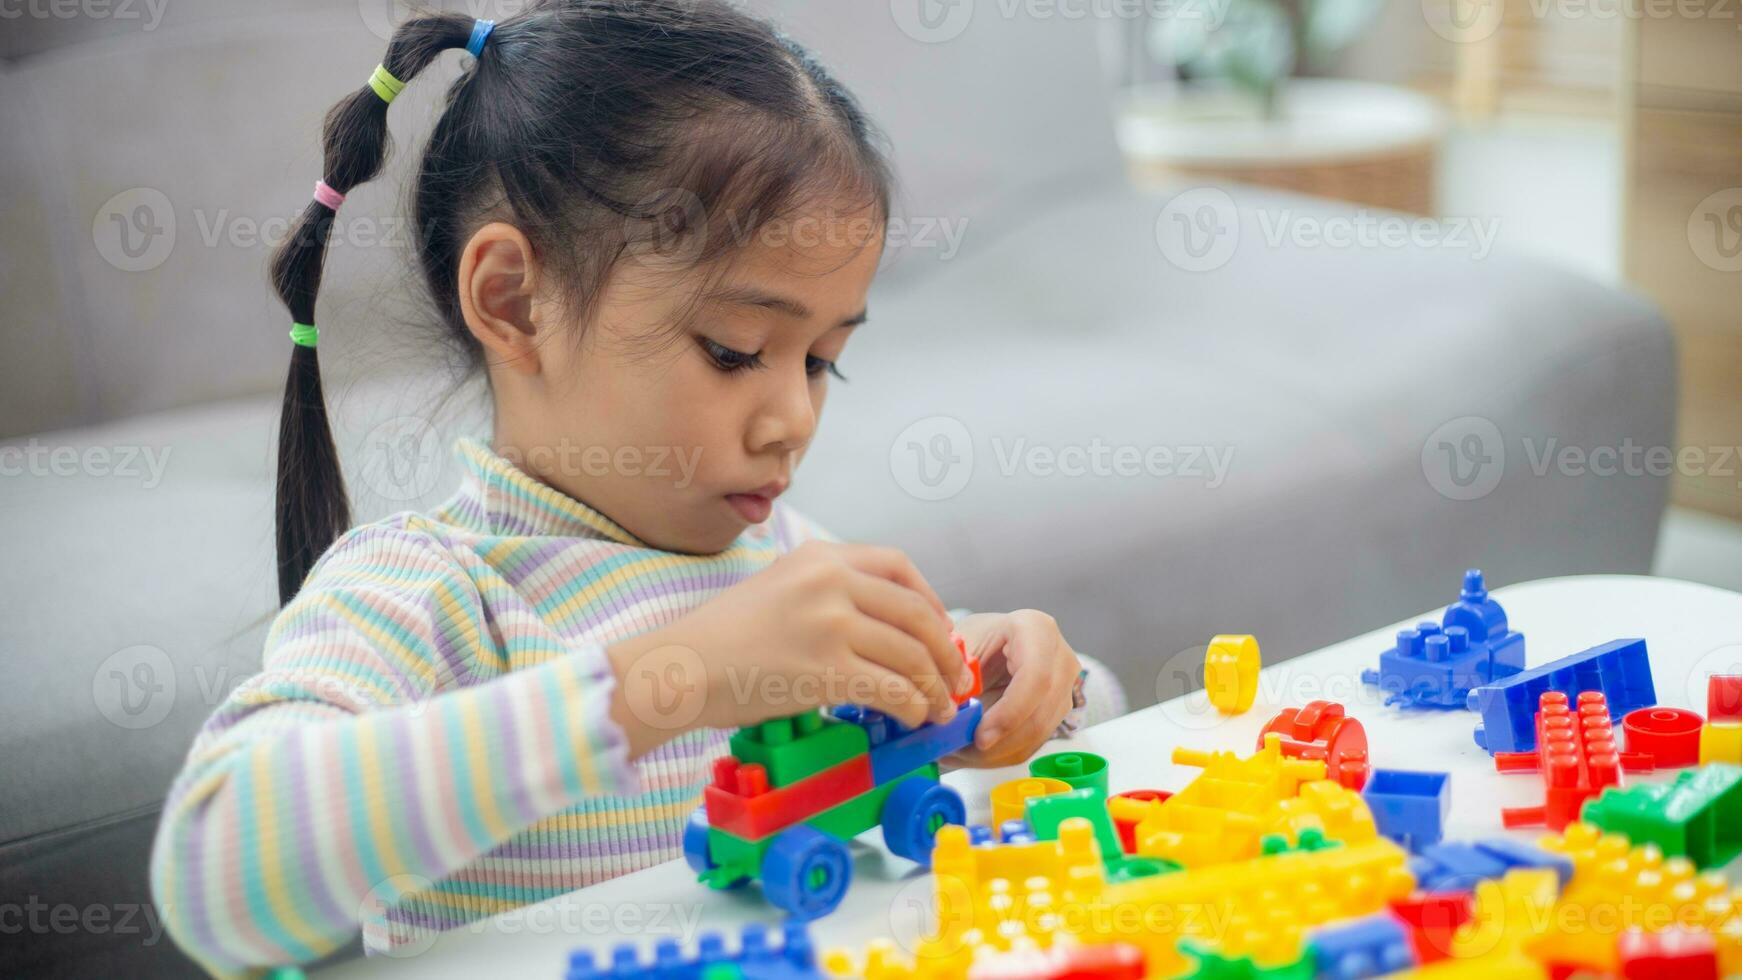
x,y
504,499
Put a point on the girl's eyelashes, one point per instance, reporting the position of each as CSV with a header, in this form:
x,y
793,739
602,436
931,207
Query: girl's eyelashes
x,y
731,361
814,366
728,360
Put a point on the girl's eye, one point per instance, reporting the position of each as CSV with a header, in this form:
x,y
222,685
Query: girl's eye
x,y
729,360
814,366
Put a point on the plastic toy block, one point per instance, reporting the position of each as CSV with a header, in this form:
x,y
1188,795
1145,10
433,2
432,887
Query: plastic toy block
x,y
789,749
1673,954
740,801
1367,947
1211,965
1617,886
1046,813
1130,808
1670,736
1131,868
902,753
1721,741
1107,961
1321,730
1080,770
1698,816
987,888
973,663
1436,665
1231,665
1009,798
1409,807
757,957
1724,697
1576,756
1461,867
1433,919
861,813
1620,670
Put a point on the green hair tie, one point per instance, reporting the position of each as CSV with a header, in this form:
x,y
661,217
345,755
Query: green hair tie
x,y
384,84
304,334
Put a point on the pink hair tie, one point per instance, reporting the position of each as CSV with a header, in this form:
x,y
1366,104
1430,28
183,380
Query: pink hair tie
x,y
326,195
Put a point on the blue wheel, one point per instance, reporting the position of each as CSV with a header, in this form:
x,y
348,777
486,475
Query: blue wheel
x,y
913,814
695,848
805,872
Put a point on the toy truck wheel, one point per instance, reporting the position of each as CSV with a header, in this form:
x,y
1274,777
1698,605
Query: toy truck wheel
x,y
913,814
695,848
805,872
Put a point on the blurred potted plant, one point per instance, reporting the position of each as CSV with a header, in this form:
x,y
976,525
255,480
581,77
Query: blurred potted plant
x,y
1231,103
1255,45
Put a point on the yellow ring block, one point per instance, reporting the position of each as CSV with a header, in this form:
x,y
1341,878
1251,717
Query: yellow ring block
x,y
1010,799
1231,672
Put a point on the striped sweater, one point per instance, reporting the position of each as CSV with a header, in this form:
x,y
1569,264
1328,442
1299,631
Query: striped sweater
x,y
428,741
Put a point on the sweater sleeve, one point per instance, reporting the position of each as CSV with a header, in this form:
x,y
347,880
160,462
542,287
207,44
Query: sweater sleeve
x,y
384,745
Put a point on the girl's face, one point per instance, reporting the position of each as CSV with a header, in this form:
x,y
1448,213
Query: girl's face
x,y
685,439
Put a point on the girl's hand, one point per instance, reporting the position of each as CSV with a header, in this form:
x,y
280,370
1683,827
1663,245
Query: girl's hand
x,y
826,624
1027,647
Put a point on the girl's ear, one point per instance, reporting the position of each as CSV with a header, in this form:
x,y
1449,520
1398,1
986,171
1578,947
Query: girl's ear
x,y
498,284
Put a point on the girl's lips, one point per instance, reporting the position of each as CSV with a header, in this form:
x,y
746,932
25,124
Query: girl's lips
x,y
753,507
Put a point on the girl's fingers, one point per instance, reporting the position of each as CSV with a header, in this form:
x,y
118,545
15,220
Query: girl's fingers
x,y
892,564
1029,709
892,694
909,612
876,642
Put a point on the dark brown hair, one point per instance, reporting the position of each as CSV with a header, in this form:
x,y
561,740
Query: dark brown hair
x,y
597,127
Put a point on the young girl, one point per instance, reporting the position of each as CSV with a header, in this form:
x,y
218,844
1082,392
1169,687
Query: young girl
x,y
522,692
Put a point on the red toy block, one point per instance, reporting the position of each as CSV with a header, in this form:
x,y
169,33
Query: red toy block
x,y
1673,954
1127,827
1576,755
973,668
1724,697
1432,918
740,802
1670,736
1321,731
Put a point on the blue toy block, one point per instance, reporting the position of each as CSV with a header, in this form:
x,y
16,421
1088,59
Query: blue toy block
x,y
1367,947
1409,807
1620,669
756,958
1436,665
1458,867
980,834
1016,826
879,727
901,754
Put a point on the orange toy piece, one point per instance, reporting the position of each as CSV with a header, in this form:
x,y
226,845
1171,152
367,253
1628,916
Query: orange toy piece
x,y
1576,755
1322,730
973,663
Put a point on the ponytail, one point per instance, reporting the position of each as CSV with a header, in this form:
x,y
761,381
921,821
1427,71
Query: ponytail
x,y
312,507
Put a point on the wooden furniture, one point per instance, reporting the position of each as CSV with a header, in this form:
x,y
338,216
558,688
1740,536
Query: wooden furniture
x,y
1369,144
1683,240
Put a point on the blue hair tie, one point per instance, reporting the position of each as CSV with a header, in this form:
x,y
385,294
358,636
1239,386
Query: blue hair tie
x,y
480,33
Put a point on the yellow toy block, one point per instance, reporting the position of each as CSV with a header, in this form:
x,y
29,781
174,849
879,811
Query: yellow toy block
x,y
1721,741
1616,887
986,888
1231,673
1010,799
1225,813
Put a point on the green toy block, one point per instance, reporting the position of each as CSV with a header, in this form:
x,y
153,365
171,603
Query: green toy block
x,y
1082,770
1311,839
734,857
859,814
1698,816
1045,813
793,748
1132,868
1212,965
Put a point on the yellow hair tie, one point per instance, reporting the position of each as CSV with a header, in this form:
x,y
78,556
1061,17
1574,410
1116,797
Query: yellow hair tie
x,y
384,84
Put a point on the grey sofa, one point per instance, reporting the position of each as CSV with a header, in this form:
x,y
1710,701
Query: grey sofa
x,y
1338,388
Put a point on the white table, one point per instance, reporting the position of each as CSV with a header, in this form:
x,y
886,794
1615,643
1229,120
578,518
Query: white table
x,y
1692,630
